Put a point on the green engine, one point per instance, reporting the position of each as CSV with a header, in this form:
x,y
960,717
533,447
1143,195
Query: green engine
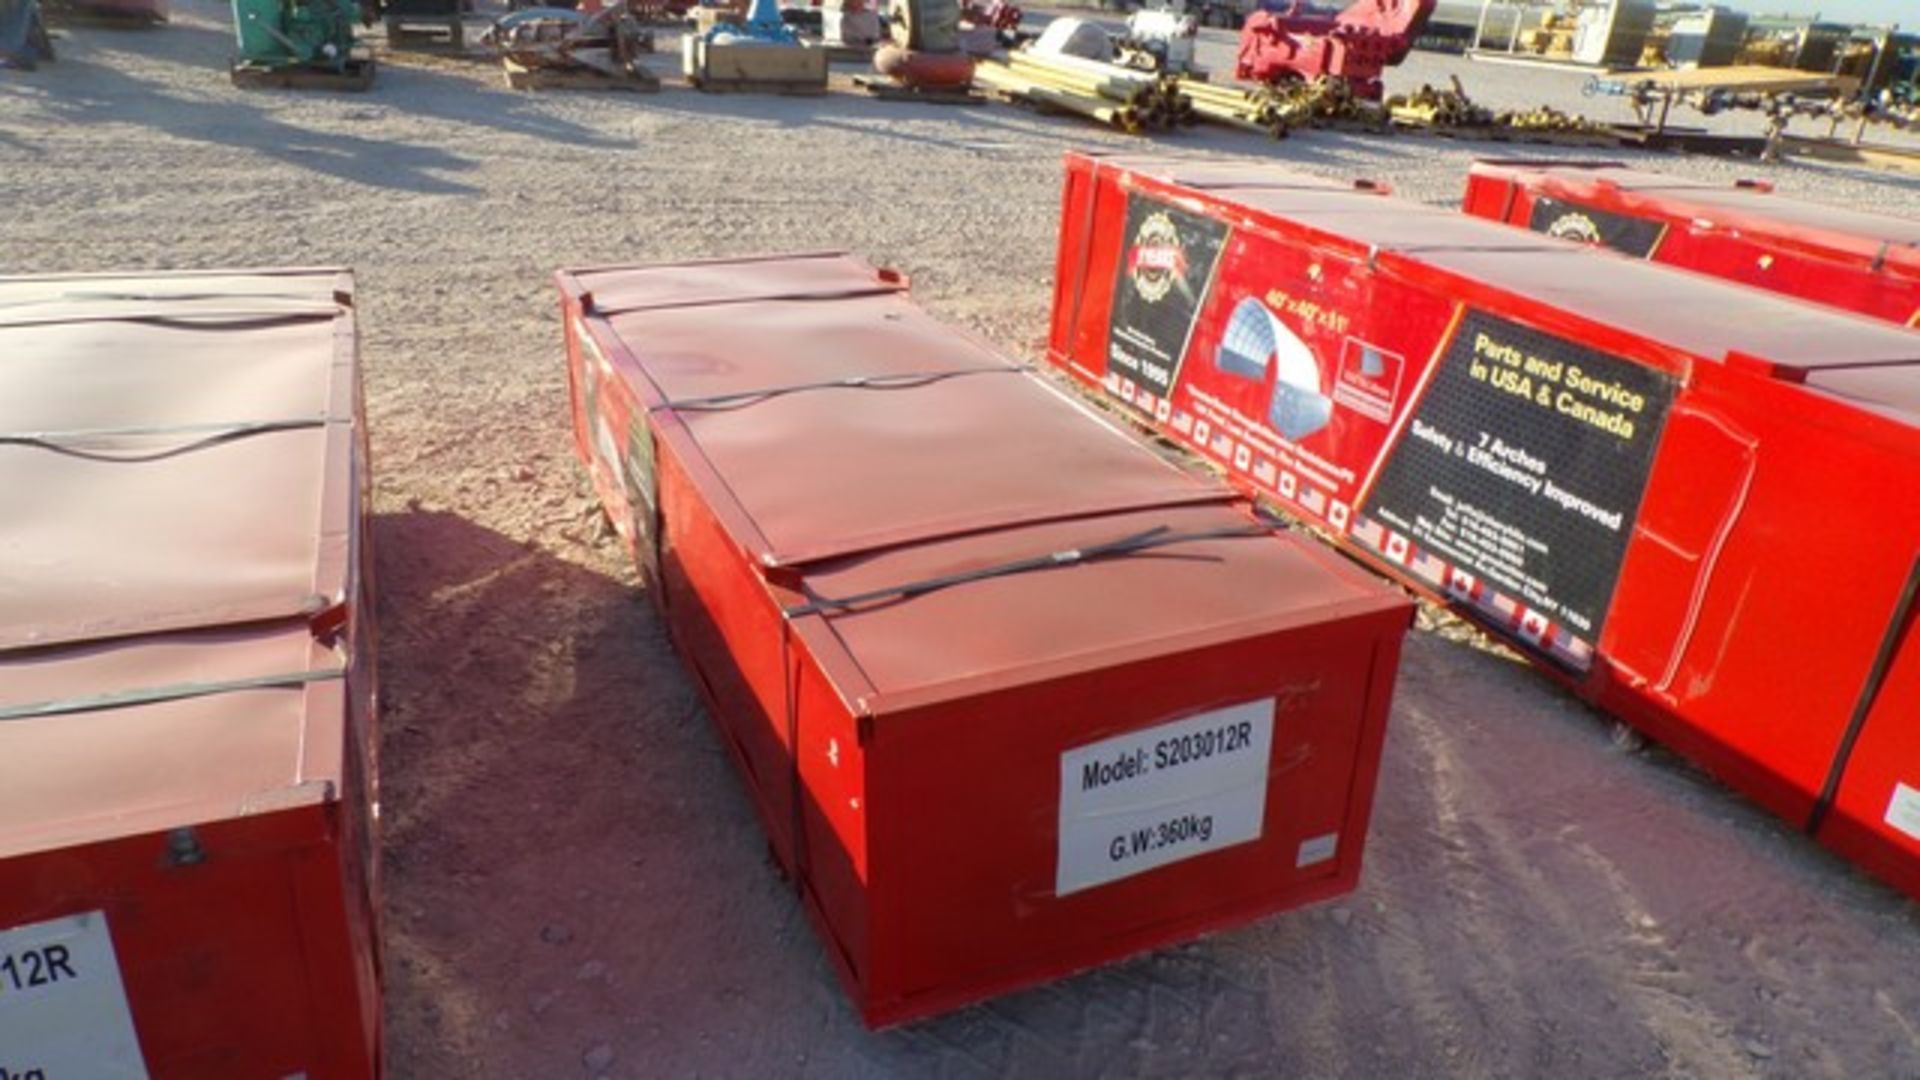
x,y
313,34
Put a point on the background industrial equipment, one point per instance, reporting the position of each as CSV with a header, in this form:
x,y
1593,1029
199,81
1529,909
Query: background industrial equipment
x,y
758,52
1292,43
301,43
1592,33
925,51
1160,38
1711,38
23,35
559,47
411,22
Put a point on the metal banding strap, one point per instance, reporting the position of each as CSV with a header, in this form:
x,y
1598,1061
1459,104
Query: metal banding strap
x,y
905,381
151,297
155,694
204,320
762,298
1897,627
1156,537
63,442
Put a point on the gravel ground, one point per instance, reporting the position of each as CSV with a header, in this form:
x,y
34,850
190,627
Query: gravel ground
x,y
574,884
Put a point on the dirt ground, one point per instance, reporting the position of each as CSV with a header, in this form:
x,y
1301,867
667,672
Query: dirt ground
x,y
574,884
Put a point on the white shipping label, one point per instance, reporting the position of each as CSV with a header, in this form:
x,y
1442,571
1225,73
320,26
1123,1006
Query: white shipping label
x,y
1903,811
63,1009
1156,796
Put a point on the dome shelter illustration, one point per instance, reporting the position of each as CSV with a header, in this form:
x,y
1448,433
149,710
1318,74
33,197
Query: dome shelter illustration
x,y
1256,342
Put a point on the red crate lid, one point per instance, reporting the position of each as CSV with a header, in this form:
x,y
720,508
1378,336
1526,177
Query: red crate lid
x,y
1230,579
936,434
1704,316
176,452
1741,207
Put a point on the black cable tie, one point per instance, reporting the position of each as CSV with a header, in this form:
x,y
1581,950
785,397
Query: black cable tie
x,y
904,381
1156,537
208,320
855,293
52,441
134,297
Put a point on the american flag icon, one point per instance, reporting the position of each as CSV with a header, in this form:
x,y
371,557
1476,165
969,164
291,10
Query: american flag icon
x,y
1368,531
1579,651
1183,423
1112,382
1430,568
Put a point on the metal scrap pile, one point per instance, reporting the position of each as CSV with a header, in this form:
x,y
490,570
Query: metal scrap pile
x,y
1428,107
1549,120
1124,98
609,41
1276,110
1451,110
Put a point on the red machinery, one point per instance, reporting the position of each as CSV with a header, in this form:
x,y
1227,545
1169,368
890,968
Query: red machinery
x,y
1356,45
1863,262
1012,694
1688,500
186,684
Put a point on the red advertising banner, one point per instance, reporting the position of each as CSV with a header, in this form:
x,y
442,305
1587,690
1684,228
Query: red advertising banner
x,y
1518,457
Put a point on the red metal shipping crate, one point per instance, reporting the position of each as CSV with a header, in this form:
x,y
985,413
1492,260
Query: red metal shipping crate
x,y
186,682
1689,500
1012,694
1863,262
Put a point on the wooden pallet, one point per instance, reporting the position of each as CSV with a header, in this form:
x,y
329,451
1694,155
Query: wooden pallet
x,y
521,77
1474,133
358,76
757,86
846,54
887,90
415,32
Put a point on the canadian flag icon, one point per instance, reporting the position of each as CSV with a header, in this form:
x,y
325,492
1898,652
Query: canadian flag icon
x,y
1165,410
1460,583
1127,390
1288,485
1200,432
1533,626
1397,547
1338,515
1242,458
